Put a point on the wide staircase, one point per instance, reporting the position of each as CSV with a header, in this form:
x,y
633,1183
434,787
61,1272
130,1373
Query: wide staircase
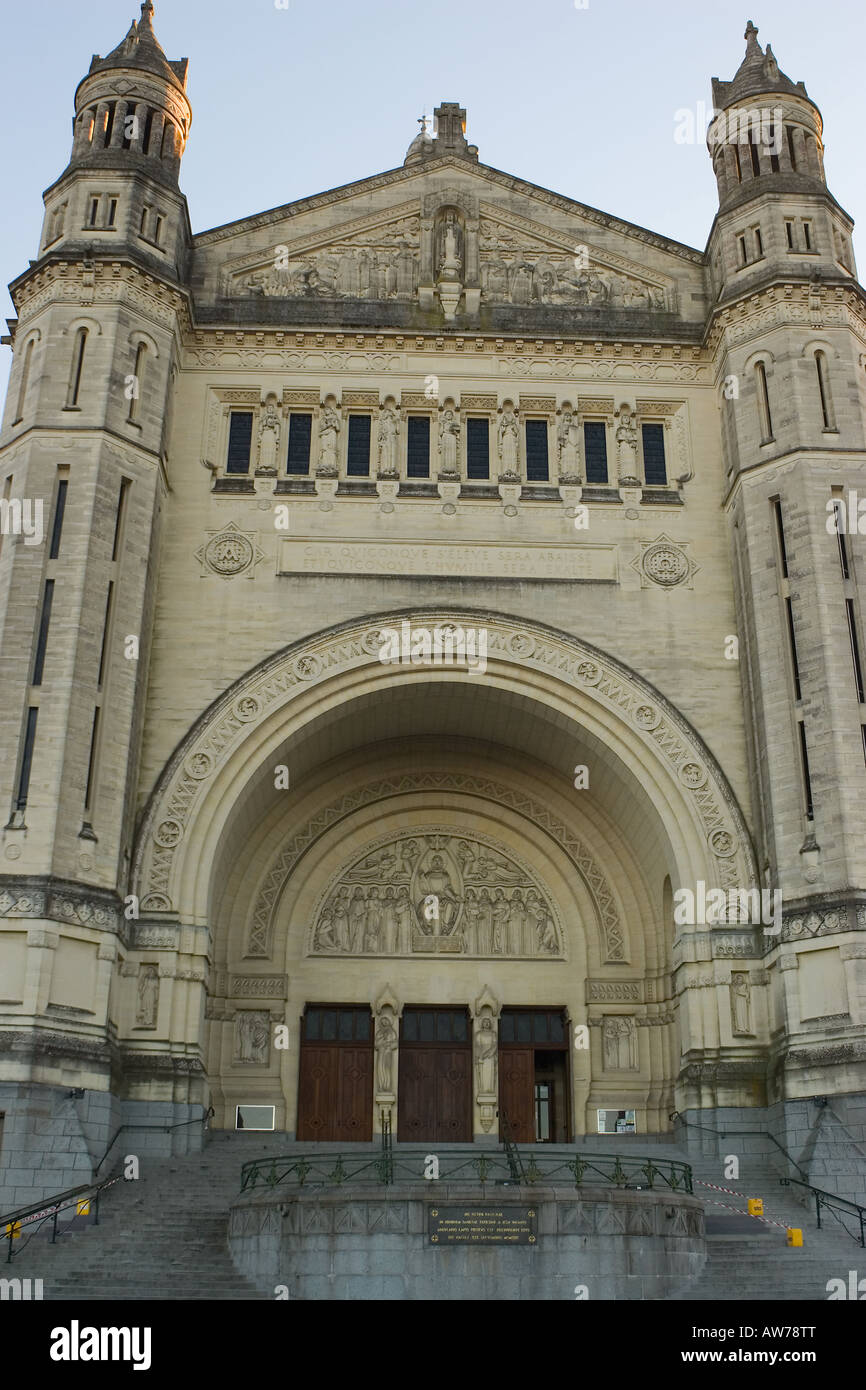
x,y
163,1236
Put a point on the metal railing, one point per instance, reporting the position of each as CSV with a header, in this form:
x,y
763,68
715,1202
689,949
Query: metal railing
x,y
311,1169
35,1216
163,1129
834,1204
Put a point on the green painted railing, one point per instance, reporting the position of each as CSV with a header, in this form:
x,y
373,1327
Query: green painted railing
x,y
311,1169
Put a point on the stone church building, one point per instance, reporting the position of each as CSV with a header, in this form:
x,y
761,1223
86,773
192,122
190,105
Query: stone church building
x,y
433,654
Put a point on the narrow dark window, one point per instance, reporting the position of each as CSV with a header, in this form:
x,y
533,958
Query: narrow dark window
x,y
300,435
744,255
537,462
77,366
824,390
148,127
654,466
737,163
25,378
759,242
595,450
142,227
418,446
477,447
774,158
789,234
753,150
789,132
795,665
839,513
109,604
763,403
57,528
109,122
112,212
807,236
119,516
90,121
91,762
358,448
42,640
157,229
27,758
807,780
780,536
855,647
94,212
135,384
240,440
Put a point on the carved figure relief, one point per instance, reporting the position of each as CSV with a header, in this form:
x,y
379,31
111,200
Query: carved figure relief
x,y
568,441
329,429
433,892
619,1037
509,441
741,1003
626,443
147,1002
386,1048
383,264
252,1034
486,1056
269,437
518,269
389,429
449,439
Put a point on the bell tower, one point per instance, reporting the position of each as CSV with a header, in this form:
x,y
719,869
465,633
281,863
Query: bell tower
x,y
791,396
85,457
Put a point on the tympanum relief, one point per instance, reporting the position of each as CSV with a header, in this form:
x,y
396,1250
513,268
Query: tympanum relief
x,y
434,892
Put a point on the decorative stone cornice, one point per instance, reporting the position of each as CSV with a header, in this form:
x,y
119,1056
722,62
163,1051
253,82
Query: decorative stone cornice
x,y
60,900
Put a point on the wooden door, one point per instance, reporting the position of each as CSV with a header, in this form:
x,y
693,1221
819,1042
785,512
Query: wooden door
x,y
435,1077
517,1093
335,1090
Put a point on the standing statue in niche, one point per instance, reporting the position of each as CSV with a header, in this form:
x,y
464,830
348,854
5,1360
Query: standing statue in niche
x,y
449,259
626,443
508,441
449,436
329,428
389,426
269,437
486,1058
147,1004
741,993
568,440
386,1046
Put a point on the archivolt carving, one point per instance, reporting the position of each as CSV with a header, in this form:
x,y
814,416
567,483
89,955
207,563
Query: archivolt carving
x,y
533,647
260,939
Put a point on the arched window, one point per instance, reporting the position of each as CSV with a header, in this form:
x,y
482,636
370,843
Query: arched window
x,y
135,385
22,385
824,390
764,415
77,368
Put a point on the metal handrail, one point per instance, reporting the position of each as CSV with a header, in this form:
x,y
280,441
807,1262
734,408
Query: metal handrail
x,y
164,1129
833,1203
724,1133
39,1213
309,1168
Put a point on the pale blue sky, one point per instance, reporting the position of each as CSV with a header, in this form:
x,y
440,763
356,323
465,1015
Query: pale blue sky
x,y
289,102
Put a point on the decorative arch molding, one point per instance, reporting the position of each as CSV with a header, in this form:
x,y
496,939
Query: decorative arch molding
x,y
613,938
555,665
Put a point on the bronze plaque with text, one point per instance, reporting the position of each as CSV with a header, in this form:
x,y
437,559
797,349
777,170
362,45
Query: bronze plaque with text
x,y
506,1225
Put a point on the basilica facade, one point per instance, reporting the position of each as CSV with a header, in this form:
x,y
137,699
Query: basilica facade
x,y
421,603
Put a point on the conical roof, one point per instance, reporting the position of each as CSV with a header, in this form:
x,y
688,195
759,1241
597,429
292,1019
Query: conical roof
x,y
140,49
758,74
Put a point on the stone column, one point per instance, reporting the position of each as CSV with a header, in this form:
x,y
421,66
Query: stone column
x,y
789,964
853,957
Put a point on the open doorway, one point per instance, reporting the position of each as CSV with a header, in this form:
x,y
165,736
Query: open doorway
x,y
534,1078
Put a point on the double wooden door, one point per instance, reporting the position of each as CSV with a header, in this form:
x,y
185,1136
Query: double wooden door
x,y
533,1076
435,1093
335,1091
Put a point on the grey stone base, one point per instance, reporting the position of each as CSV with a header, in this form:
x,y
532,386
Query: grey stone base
x,y
52,1141
827,1142
372,1242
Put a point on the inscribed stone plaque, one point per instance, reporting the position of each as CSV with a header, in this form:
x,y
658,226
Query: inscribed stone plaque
x,y
475,559
507,1225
